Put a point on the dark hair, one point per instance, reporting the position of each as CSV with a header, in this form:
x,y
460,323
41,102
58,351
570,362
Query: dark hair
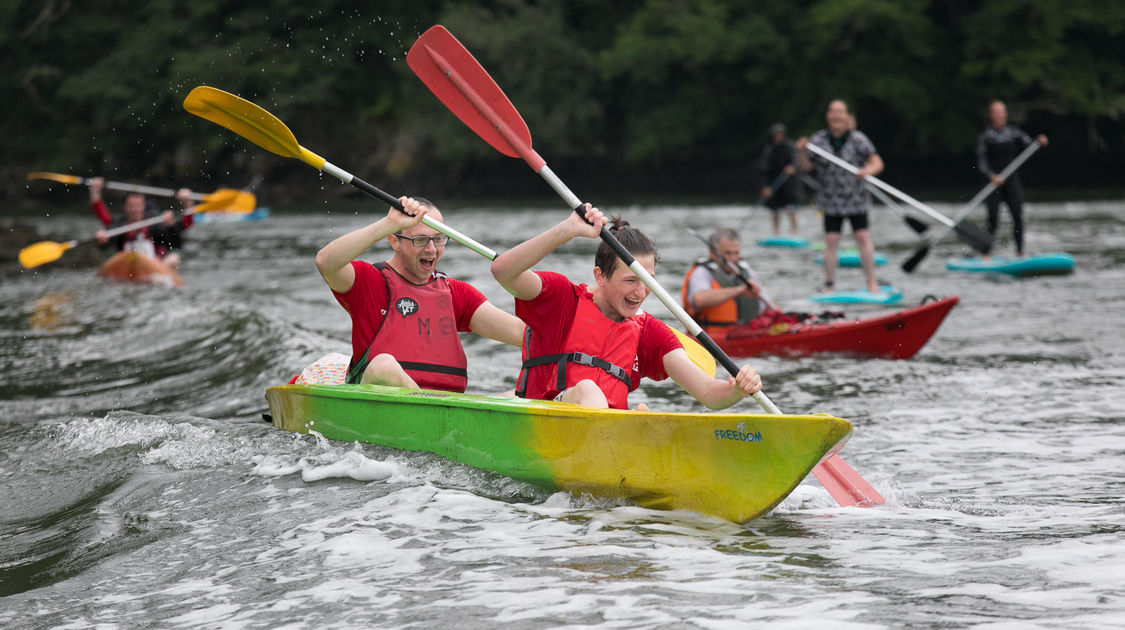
x,y
635,242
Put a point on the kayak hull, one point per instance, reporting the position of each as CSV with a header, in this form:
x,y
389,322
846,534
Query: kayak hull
x,y
732,466
138,268
1053,264
898,335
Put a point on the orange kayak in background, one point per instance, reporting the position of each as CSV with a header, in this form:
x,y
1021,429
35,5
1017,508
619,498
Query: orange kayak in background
x,y
134,267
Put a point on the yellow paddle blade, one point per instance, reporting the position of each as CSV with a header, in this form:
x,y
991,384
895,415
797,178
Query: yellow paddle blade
x,y
249,121
228,200
58,177
696,352
43,252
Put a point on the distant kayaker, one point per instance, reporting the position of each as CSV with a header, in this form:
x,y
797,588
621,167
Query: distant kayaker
x,y
777,165
157,241
405,313
714,291
843,195
592,345
997,146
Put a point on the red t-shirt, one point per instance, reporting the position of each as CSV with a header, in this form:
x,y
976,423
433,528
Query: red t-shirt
x,y
367,303
551,315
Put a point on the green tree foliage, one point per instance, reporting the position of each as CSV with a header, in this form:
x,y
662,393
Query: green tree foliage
x,y
1054,56
637,87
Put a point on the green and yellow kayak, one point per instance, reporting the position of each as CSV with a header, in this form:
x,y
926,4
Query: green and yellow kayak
x,y
733,466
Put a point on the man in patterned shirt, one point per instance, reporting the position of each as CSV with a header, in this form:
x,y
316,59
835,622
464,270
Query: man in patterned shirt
x,y
843,195
997,146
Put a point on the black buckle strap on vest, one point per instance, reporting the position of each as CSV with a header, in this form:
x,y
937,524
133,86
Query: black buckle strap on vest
x,y
355,374
433,367
579,358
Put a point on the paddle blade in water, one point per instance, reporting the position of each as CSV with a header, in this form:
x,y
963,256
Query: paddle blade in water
x,y
249,121
43,252
912,263
451,72
845,484
974,236
57,177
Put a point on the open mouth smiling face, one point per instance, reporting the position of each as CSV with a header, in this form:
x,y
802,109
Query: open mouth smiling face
x,y
419,262
623,292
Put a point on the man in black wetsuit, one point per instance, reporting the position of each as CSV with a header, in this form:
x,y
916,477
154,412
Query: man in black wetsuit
x,y
997,146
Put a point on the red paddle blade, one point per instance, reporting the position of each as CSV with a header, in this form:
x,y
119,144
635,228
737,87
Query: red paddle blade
x,y
451,72
845,484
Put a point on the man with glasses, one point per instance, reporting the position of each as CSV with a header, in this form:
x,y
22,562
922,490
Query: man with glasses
x,y
405,313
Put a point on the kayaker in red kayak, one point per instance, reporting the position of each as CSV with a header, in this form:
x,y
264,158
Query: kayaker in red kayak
x,y
592,345
721,290
156,241
405,313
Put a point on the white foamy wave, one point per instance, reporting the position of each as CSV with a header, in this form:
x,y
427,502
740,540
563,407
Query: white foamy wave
x,y
353,465
333,463
180,445
92,436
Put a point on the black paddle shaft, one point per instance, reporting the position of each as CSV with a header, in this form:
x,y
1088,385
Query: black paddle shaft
x,y
376,193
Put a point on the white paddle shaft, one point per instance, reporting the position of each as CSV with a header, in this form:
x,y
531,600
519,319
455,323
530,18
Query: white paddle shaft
x,y
881,184
988,188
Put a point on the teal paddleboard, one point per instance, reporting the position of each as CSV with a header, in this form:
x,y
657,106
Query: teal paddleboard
x,y
791,242
1055,263
850,258
257,214
887,295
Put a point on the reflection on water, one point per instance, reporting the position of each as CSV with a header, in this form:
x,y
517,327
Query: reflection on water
x,y
51,311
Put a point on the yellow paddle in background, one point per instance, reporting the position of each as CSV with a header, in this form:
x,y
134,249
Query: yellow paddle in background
x,y
223,199
44,252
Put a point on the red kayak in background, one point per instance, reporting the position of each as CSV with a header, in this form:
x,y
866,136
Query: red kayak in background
x,y
897,335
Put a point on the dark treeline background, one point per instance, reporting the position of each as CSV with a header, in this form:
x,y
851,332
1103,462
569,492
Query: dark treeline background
x,y
631,99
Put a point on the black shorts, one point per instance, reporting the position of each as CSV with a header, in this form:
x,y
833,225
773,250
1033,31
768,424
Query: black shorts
x,y
836,223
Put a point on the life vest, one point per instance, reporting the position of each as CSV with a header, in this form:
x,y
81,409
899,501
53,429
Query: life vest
x,y
731,312
420,332
141,244
596,348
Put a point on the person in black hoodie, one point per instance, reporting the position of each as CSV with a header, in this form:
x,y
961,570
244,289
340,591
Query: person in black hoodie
x,y
781,189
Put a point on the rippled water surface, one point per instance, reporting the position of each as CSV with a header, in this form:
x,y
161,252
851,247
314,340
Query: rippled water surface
x,y
139,487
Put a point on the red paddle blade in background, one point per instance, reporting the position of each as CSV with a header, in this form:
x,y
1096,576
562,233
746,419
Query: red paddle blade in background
x,y
434,56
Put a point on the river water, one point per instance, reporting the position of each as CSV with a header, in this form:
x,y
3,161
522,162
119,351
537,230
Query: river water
x,y
139,487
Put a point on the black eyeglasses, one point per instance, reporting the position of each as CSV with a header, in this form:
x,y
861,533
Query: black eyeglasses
x,y
420,241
